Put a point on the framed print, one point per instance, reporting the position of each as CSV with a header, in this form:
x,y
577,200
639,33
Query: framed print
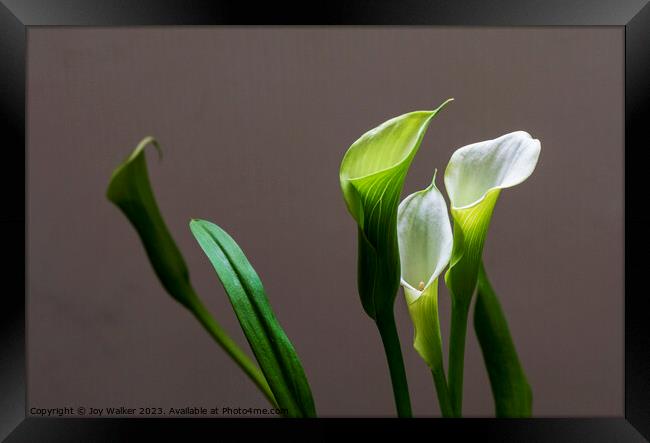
x,y
230,218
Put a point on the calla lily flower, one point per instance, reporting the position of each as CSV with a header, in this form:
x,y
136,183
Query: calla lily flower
x,y
425,243
372,174
474,178
425,239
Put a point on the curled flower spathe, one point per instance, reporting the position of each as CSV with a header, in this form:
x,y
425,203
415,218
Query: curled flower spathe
x,y
371,177
425,244
425,239
474,178
477,169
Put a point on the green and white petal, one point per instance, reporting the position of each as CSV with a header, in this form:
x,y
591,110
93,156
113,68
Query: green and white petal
x,y
371,177
476,169
425,243
474,178
425,239
427,339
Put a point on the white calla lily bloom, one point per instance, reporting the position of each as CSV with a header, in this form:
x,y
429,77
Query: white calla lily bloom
x,y
474,178
425,244
425,239
475,170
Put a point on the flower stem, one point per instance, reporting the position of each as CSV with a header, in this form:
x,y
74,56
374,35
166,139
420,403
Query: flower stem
x,y
458,331
227,344
390,340
444,401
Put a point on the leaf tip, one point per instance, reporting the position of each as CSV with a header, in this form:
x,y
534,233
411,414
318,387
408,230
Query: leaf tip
x,y
111,191
148,140
195,223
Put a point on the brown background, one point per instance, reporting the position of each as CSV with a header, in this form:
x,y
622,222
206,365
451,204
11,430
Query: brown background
x,y
253,124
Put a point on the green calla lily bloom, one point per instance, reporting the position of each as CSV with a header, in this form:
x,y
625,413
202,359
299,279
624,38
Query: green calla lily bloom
x,y
474,178
425,243
371,176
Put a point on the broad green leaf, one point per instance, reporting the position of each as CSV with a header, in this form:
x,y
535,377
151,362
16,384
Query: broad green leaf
x,y
130,190
513,396
371,176
271,346
474,178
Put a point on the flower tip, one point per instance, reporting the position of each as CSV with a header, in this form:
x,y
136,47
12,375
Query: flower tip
x,y
445,103
433,181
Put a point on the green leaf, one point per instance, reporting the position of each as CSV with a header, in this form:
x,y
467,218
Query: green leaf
x,y
271,346
130,190
512,394
371,176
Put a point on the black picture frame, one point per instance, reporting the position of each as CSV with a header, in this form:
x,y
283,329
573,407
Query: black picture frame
x,y
18,16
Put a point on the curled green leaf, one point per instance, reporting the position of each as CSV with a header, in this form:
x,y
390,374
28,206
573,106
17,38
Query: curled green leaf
x,y
272,348
129,189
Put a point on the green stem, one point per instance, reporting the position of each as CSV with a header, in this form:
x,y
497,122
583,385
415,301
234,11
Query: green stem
x,y
444,401
458,331
227,344
390,339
